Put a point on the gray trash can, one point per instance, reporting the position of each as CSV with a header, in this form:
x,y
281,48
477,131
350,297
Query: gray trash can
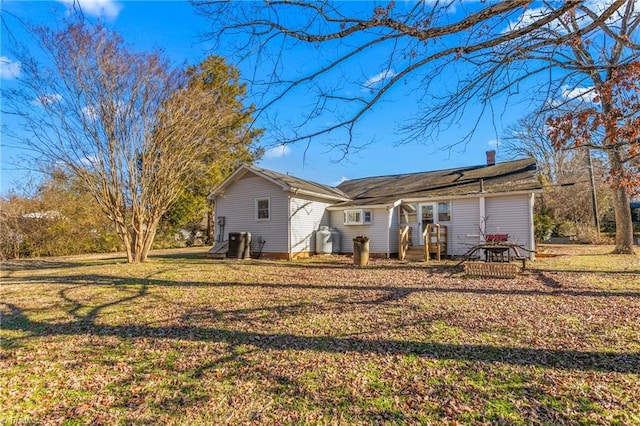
x,y
361,250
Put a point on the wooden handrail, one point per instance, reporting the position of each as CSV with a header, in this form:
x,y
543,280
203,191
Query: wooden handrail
x,y
403,241
434,247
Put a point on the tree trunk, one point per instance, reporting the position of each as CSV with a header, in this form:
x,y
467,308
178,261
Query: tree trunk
x,y
624,225
210,226
148,237
126,240
621,207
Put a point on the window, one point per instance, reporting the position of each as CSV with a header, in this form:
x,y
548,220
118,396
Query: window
x,y
358,217
263,209
444,212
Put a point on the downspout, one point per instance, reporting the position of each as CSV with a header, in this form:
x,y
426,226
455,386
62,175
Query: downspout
x,y
289,253
482,210
289,222
532,234
483,219
390,213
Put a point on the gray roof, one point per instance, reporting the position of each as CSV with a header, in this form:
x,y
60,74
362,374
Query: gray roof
x,y
517,175
302,184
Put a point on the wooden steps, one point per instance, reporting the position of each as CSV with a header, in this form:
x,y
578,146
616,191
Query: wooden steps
x,y
435,238
414,254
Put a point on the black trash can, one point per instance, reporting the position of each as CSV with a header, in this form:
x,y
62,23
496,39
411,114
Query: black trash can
x,y
361,250
237,245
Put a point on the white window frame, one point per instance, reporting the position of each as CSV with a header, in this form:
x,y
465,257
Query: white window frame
x,y
448,204
257,203
361,214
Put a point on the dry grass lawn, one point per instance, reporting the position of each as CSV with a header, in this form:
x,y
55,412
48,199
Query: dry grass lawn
x,y
184,339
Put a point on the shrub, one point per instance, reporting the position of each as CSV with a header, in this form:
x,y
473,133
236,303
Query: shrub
x,y
543,226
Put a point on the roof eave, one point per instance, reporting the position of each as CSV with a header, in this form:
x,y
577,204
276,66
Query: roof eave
x,y
317,194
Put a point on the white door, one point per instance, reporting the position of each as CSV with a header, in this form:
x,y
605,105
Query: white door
x,y
427,216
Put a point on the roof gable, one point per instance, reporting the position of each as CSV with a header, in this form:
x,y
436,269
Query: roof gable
x,y
284,181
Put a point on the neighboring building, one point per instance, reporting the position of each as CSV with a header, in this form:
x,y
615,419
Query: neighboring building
x,y
283,213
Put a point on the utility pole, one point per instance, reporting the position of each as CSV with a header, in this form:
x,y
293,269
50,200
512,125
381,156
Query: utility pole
x,y
594,202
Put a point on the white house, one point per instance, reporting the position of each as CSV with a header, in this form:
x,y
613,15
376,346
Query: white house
x,y
283,213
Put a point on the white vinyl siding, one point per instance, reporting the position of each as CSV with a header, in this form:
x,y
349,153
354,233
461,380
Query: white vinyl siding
x,y
509,215
238,206
378,231
307,216
464,231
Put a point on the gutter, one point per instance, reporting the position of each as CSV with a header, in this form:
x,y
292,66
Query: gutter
x,y
317,195
365,206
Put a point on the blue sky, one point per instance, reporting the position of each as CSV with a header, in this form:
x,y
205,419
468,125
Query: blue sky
x,y
175,27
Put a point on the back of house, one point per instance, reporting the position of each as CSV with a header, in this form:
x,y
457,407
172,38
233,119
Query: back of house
x,y
283,214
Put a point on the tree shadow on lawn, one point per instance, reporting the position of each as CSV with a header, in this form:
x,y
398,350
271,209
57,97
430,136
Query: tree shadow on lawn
x,y
56,263
588,271
13,318
396,292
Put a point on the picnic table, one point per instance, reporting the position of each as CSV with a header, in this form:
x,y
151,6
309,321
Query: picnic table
x,y
497,259
497,250
497,253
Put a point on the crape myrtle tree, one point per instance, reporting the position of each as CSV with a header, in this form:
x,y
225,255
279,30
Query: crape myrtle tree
x,y
123,122
463,57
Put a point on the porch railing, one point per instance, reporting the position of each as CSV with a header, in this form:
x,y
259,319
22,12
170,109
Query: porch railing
x,y
404,241
435,238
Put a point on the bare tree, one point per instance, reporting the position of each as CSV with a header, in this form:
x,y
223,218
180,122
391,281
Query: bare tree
x,y
123,122
421,45
615,114
529,137
589,95
569,197
458,54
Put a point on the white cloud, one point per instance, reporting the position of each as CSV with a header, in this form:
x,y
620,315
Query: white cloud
x,y
47,99
529,16
90,113
98,8
9,69
586,94
89,161
494,143
342,179
373,80
278,151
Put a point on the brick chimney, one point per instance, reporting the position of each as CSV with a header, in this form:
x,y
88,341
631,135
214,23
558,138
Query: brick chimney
x,y
491,157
